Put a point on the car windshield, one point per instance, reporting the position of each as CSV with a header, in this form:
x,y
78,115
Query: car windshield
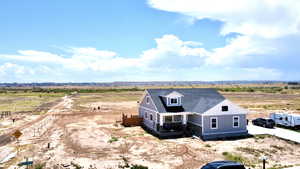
x,y
232,167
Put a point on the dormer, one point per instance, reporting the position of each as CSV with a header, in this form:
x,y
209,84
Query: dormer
x,y
173,99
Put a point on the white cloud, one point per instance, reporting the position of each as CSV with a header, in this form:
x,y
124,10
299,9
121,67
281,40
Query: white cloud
x,y
265,28
171,59
93,53
171,52
240,50
78,59
10,72
258,73
264,18
11,68
34,56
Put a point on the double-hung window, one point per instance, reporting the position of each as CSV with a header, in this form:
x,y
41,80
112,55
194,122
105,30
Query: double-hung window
x,y
214,123
236,121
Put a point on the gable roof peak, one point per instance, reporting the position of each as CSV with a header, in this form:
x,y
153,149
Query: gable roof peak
x,y
174,94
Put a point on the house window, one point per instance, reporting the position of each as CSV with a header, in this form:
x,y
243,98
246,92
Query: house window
x,y
147,99
174,101
236,121
151,117
224,108
177,118
168,119
146,115
213,123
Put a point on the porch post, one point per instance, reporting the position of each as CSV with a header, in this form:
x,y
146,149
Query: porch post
x,y
184,119
161,120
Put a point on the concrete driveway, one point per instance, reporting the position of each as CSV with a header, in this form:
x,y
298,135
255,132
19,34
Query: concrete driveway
x,y
279,132
293,168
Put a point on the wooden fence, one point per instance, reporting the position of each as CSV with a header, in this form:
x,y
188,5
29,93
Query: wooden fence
x,y
5,114
133,120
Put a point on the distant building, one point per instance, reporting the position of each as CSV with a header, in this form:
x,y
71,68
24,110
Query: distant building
x,y
198,111
293,85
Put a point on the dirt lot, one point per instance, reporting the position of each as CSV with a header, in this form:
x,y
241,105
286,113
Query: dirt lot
x,y
82,135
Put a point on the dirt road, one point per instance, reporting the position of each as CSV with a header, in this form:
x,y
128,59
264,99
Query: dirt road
x,y
7,137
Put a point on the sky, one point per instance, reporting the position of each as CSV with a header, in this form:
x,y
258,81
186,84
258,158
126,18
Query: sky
x,y
149,40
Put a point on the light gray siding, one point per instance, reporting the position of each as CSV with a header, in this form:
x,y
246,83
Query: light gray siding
x,y
149,105
148,108
195,119
147,120
224,125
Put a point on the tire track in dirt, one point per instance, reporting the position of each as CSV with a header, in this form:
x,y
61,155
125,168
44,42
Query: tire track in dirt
x,y
7,137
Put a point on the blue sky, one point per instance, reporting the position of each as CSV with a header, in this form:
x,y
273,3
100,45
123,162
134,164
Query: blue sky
x,y
140,40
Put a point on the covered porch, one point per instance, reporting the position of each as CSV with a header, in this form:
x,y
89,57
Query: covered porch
x,y
172,123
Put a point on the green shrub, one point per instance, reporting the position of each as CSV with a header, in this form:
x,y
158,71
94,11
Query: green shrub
x,y
261,136
234,157
113,139
77,166
207,145
252,89
39,166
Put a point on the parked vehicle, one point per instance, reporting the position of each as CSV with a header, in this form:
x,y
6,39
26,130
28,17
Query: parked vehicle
x,y
223,165
287,120
267,123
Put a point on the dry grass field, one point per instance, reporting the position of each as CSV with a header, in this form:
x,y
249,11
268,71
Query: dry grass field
x,y
26,101
84,136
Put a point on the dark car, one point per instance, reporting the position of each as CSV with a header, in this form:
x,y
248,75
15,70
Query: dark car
x,y
223,165
267,123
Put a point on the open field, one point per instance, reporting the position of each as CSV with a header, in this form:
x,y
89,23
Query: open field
x,y
26,101
83,135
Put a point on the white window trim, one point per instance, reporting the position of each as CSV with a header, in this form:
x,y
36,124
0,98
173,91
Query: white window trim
x,y
174,98
148,99
173,104
216,123
238,117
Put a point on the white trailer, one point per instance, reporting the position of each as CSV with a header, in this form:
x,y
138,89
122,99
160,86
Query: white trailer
x,y
285,119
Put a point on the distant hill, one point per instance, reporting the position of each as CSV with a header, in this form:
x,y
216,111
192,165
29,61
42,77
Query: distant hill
x,y
149,83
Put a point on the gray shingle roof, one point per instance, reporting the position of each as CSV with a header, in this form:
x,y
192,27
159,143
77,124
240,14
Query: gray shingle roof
x,y
194,99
